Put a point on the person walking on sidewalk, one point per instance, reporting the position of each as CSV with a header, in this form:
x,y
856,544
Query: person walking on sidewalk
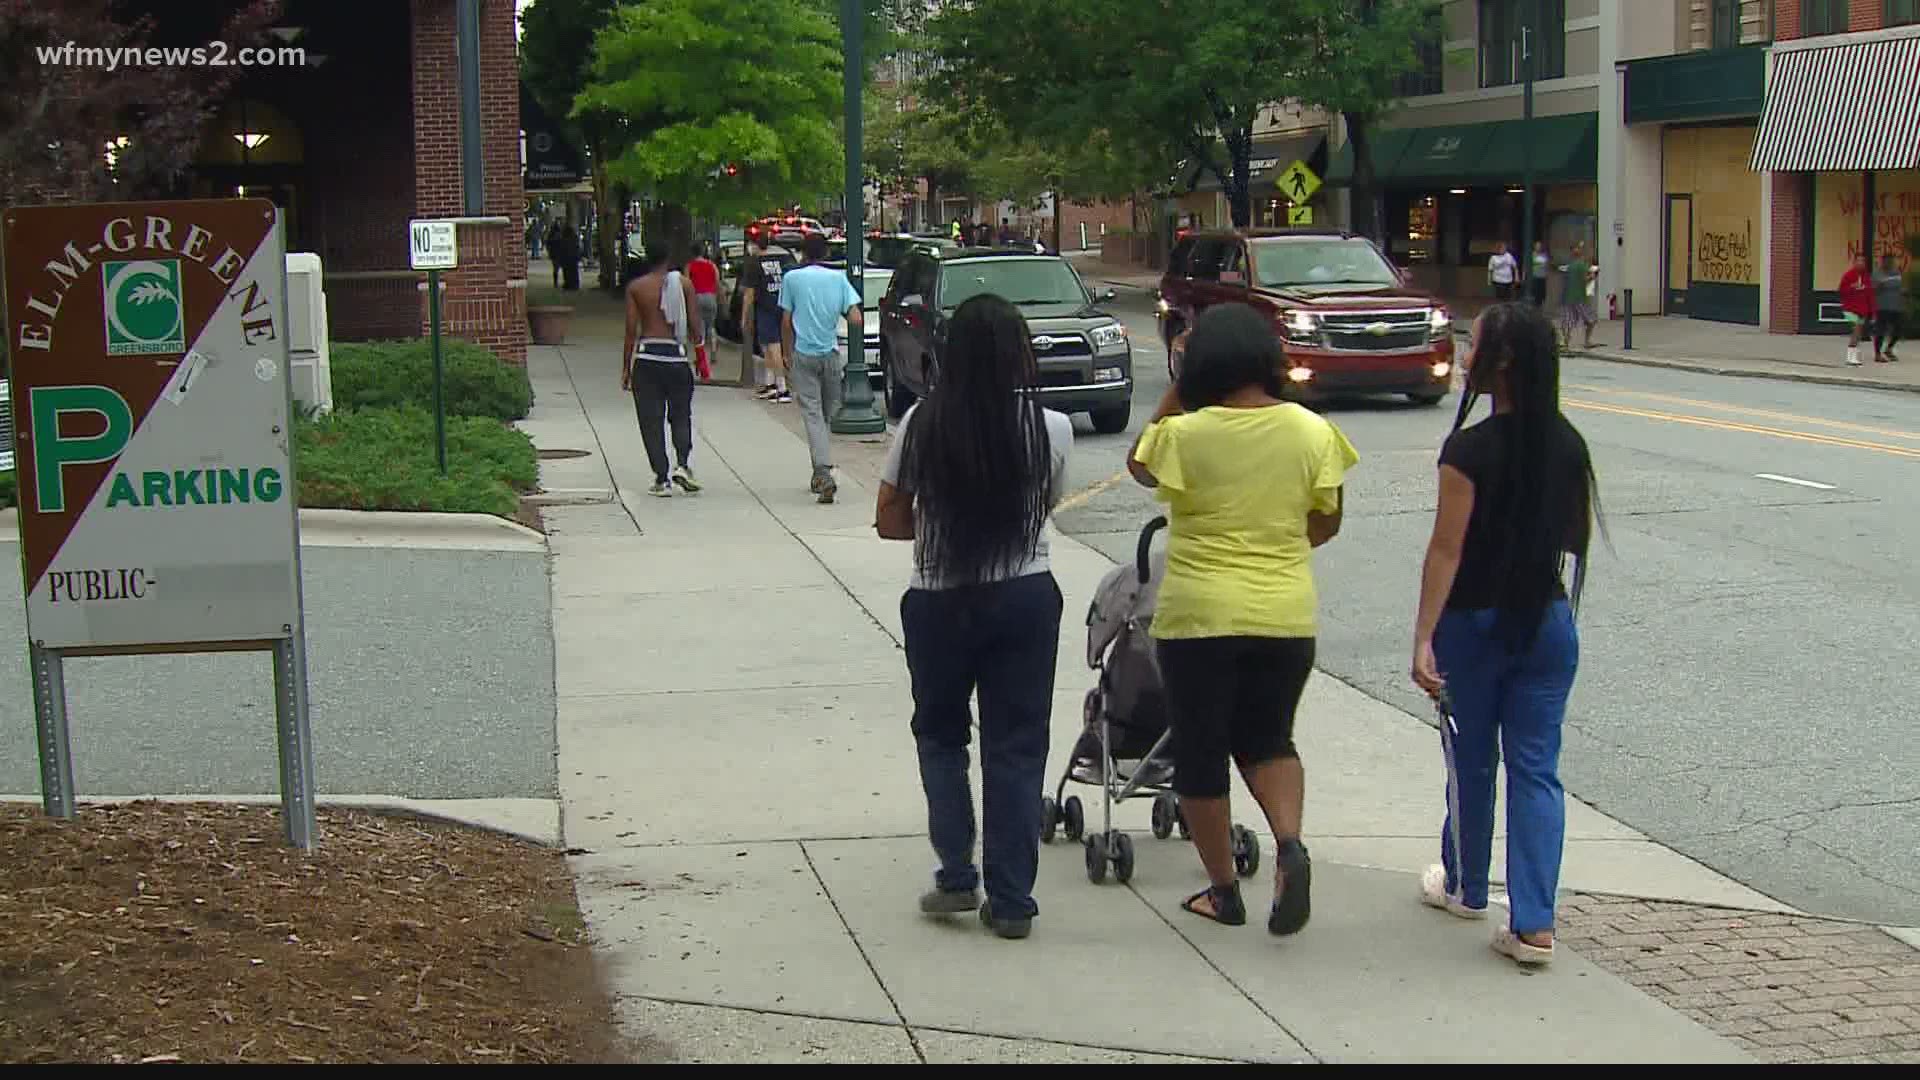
x,y
1890,306
813,300
658,370
1576,297
705,276
973,473
1494,636
1252,484
1856,303
760,312
1503,272
1539,264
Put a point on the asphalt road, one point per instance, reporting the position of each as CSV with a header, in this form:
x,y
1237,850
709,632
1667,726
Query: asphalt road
x,y
430,675
1747,639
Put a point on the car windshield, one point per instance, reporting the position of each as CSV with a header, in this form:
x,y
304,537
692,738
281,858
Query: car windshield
x,y
1332,261
1025,282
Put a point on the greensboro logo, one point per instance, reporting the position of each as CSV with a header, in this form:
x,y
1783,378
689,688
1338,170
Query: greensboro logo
x,y
144,313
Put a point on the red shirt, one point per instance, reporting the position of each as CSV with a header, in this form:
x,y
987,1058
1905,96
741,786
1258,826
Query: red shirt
x,y
1856,292
705,275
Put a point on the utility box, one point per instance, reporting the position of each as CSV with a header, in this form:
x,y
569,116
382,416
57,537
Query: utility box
x,y
307,334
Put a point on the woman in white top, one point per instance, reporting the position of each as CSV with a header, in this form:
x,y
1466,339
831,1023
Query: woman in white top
x,y
974,471
1503,272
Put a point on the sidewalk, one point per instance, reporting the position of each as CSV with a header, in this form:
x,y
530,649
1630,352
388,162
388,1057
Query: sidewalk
x,y
740,792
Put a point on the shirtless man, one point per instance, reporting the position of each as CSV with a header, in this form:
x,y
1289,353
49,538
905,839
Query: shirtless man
x,y
657,367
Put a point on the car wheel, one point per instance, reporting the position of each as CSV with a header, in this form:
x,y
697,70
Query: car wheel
x,y
1114,419
1426,399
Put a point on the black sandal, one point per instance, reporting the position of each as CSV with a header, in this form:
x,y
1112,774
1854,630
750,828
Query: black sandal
x,y
1228,908
1294,905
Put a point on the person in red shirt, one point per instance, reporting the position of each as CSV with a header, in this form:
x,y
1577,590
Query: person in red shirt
x,y
705,277
1857,303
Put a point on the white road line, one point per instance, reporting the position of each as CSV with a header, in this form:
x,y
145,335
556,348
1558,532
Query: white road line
x,y
1814,484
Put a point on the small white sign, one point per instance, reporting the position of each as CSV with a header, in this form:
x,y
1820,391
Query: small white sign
x,y
430,245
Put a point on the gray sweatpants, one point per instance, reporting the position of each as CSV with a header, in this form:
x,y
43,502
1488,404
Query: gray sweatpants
x,y
815,381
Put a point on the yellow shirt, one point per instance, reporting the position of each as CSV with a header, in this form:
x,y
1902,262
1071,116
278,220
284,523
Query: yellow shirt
x,y
1238,484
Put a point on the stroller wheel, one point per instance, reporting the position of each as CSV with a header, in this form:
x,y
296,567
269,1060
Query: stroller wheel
x,y
1096,861
1122,847
1074,818
1049,818
1246,851
1163,816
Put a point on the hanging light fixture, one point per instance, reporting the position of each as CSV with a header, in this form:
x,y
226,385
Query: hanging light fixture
x,y
250,139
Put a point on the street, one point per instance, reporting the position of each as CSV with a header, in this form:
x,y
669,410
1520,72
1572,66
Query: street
x,y
1745,637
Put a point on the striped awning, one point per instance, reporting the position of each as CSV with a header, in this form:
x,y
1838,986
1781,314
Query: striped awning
x,y
1842,108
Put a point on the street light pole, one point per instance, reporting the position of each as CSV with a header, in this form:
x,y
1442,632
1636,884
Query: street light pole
x,y
857,414
1526,137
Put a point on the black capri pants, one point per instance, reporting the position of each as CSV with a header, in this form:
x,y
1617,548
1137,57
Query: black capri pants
x,y
1230,697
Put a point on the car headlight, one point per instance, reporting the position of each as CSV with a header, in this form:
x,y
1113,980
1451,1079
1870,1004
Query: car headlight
x,y
1301,326
1109,374
1440,321
1109,338
1160,305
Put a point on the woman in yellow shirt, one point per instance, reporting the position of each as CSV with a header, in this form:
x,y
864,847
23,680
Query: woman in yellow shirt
x,y
1252,484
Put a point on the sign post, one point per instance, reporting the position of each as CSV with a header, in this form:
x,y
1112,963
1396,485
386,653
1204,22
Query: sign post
x,y
155,448
431,247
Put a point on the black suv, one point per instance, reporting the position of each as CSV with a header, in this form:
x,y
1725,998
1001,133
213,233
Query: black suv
x,y
1085,359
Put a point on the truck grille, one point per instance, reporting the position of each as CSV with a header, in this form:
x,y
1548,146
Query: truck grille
x,y
1376,331
1058,346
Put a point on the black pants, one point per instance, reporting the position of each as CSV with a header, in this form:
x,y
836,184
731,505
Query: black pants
x,y
1003,640
663,391
1230,697
570,268
1886,328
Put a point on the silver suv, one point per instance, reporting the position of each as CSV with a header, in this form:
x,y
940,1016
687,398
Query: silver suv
x,y
1085,359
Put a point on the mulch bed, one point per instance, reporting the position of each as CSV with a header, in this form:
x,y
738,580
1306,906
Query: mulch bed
x,y
191,932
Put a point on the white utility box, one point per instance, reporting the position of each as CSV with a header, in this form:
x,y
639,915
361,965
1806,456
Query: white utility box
x,y
307,336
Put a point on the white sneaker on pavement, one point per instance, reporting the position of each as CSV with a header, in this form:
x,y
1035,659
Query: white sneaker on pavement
x,y
1433,893
1508,944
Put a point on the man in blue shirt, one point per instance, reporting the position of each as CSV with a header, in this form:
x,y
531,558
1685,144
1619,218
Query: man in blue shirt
x,y
813,299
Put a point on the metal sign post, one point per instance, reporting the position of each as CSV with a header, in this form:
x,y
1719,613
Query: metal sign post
x,y
432,247
155,451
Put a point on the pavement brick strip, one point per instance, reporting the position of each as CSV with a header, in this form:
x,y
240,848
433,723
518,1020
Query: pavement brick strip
x,y
1787,988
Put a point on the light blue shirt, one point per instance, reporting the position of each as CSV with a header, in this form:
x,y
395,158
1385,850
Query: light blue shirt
x,y
816,296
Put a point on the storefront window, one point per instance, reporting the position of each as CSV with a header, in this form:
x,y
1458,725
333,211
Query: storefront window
x,y
1504,30
1823,17
1423,229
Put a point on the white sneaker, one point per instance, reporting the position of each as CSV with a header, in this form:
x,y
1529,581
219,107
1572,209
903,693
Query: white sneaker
x,y
1508,944
1853,357
661,490
1433,893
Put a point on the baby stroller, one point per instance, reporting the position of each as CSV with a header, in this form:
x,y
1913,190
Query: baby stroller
x,y
1124,749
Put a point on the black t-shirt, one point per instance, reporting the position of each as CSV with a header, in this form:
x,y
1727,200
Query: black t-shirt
x,y
762,274
1480,452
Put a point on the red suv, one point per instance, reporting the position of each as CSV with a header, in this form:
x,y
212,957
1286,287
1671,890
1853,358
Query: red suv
x,y
1348,322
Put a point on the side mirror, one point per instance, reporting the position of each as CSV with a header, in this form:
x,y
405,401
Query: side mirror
x,y
1108,295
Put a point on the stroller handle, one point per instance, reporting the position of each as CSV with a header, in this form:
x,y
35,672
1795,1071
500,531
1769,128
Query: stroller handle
x,y
1145,549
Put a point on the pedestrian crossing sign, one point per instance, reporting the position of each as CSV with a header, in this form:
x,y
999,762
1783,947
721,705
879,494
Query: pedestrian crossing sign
x,y
1299,215
1297,182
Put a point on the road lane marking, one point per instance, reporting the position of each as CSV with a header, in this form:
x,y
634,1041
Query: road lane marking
x,y
1814,484
1765,414
1754,429
1081,497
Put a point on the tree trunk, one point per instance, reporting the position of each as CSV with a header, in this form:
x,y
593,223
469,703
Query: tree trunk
x,y
1369,213
1239,184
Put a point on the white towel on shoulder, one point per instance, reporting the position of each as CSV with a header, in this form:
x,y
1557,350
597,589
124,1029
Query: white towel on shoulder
x,y
673,304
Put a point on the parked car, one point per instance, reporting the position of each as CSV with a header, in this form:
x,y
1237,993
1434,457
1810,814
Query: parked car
x,y
727,323
888,250
1085,359
1348,320
873,286
788,231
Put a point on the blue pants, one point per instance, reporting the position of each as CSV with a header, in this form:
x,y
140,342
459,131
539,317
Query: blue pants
x,y
1511,702
1002,639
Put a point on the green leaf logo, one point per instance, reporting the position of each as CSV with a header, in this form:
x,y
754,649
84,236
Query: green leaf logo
x,y
144,313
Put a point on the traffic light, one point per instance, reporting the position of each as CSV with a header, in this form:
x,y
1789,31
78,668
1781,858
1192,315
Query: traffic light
x,y
732,169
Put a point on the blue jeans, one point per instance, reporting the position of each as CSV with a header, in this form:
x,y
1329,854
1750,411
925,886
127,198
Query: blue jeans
x,y
1002,639
1511,702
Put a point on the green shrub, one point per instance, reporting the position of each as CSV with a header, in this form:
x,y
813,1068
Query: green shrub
x,y
9,490
383,459
394,374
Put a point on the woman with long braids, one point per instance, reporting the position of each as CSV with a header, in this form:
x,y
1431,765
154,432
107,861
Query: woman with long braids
x,y
972,475
1495,633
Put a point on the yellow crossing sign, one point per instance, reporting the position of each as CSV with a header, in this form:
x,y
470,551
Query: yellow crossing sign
x,y
1297,182
1299,215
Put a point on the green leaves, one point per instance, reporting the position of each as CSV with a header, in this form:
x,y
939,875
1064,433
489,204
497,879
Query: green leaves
x,y
709,83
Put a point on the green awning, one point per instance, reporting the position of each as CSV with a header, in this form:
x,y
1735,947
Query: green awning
x,y
1563,150
1443,155
1388,144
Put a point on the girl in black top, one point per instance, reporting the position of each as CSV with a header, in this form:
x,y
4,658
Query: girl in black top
x,y
1495,633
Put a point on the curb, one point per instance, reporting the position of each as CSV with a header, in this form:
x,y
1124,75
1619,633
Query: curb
x,y
1707,367
387,529
392,806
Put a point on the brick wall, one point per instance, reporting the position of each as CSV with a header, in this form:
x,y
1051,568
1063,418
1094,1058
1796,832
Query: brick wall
x,y
1865,14
1786,20
1113,215
1787,253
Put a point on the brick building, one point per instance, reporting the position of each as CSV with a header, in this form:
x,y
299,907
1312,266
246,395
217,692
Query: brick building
x,y
383,124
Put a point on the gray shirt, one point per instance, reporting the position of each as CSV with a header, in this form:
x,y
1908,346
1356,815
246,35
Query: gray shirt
x,y
1060,443
1889,290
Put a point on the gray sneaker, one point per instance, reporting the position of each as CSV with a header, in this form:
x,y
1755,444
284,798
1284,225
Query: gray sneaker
x,y
825,488
1012,929
683,477
661,489
949,901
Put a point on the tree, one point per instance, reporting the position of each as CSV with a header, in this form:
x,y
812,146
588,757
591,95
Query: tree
x,y
734,107
1171,80
556,57
79,132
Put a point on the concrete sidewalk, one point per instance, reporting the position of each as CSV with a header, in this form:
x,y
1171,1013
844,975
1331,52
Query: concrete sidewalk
x,y
740,789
